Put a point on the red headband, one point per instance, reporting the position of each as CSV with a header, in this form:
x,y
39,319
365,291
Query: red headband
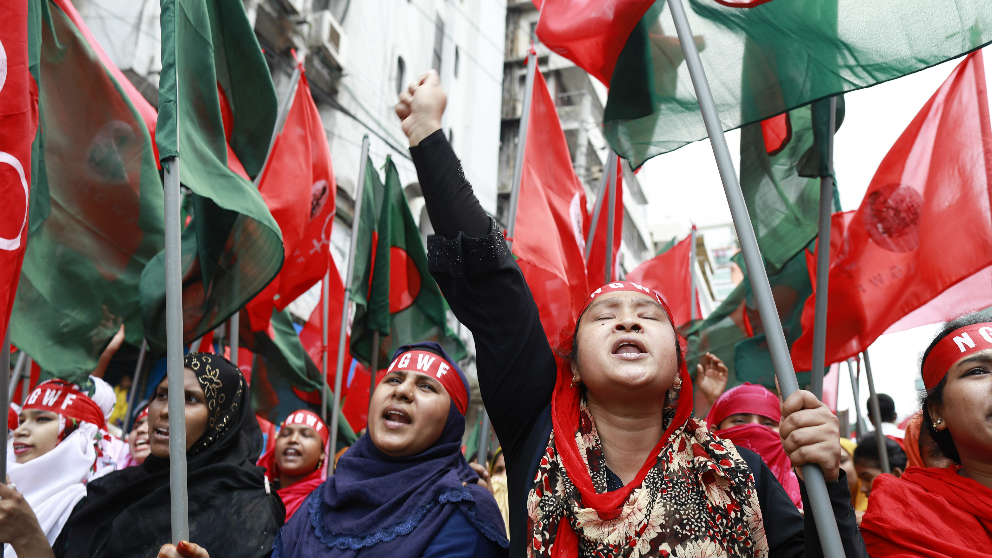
x,y
953,347
309,419
433,365
746,398
618,286
63,398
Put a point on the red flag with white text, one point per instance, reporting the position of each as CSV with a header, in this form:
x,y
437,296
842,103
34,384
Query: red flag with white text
x,y
923,230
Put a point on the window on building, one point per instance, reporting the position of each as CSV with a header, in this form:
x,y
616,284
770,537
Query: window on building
x,y
438,44
400,74
458,60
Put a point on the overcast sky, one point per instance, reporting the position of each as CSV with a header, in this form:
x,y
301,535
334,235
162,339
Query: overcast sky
x,y
684,186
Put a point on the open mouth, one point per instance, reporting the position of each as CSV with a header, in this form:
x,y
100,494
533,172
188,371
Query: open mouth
x,y
394,416
21,448
142,442
161,432
292,452
629,349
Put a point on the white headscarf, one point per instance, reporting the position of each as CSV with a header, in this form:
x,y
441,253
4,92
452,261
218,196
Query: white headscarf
x,y
115,454
52,484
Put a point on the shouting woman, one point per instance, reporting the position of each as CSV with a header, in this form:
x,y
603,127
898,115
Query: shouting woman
x,y
603,457
295,465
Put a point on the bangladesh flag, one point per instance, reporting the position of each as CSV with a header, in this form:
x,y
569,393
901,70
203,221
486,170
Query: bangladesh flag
x,y
96,203
393,291
771,58
782,160
734,333
283,378
217,110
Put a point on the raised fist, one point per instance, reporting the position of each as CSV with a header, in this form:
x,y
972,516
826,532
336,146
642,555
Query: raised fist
x,y
421,106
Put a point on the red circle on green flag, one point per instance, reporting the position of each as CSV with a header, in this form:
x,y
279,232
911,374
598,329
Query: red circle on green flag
x,y
404,280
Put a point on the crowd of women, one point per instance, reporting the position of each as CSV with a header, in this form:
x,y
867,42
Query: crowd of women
x,y
601,452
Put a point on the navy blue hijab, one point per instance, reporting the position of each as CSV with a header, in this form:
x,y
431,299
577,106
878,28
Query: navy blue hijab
x,y
377,505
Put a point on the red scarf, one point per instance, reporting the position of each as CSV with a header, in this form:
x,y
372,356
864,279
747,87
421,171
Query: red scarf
x,y
928,512
766,442
294,494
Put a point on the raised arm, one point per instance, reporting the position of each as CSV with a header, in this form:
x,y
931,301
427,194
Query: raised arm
x,y
472,264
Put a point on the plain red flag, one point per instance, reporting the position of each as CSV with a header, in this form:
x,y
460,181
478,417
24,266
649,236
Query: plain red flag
x,y
669,273
591,33
551,221
18,123
596,262
311,336
298,187
923,228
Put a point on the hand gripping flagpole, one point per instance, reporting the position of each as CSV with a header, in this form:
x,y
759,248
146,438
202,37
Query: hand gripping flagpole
x,y
359,196
823,263
815,485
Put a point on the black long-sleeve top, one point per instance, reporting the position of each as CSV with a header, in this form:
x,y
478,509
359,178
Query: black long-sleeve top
x,y
472,264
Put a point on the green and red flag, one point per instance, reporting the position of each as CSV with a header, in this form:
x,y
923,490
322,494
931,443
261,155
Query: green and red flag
x,y
551,221
18,123
96,207
922,229
217,110
670,273
394,293
312,334
297,184
771,58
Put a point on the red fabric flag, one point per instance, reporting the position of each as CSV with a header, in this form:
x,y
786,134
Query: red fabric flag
x,y
669,273
18,123
311,336
923,227
551,221
596,264
298,187
590,33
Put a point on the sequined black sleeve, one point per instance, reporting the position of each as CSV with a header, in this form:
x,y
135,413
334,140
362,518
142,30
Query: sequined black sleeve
x,y
473,265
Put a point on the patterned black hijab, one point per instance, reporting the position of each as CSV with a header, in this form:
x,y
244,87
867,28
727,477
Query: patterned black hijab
x,y
126,513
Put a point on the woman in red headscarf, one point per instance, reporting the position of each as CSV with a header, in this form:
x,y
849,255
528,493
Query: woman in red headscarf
x,y
944,511
603,457
295,464
749,415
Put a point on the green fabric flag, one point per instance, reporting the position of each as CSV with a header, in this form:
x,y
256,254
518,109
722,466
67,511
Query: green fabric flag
x,y
782,160
232,247
96,204
725,331
797,52
283,377
393,291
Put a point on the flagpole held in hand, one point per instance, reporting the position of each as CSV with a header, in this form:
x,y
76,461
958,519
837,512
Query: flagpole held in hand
x,y
816,486
350,268
823,262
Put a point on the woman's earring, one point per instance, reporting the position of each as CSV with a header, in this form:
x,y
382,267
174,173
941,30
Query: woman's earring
x,y
575,380
938,422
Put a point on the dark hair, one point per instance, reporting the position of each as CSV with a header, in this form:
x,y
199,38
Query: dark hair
x,y
935,396
886,407
867,450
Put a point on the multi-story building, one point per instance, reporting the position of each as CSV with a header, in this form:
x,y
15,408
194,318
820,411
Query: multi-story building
x,y
580,100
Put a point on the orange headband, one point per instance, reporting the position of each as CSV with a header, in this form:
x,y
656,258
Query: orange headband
x,y
953,347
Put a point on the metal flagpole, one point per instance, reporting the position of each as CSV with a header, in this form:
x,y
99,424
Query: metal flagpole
x,y
608,274
692,274
816,487
482,455
876,418
4,388
823,263
325,292
374,364
233,331
611,160
16,374
174,354
518,167
359,196
855,389
135,380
